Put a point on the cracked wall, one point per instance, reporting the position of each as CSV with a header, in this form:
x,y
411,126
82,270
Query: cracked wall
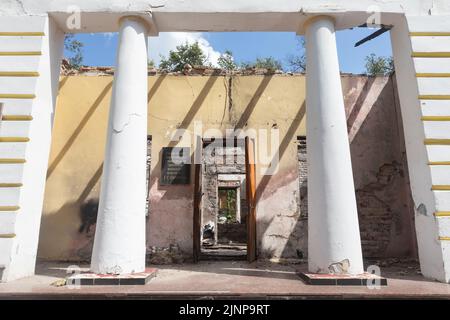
x,y
223,102
380,169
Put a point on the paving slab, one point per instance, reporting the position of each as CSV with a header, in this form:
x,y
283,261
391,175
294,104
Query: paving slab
x,y
223,280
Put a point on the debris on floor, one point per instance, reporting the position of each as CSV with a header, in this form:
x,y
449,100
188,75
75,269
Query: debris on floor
x,y
400,266
59,283
286,261
161,256
340,267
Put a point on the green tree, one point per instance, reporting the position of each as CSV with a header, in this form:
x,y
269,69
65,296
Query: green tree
x,y
246,65
74,47
226,61
379,65
184,54
151,63
297,63
269,63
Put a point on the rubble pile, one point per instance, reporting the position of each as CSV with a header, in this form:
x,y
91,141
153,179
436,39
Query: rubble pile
x,y
68,70
161,256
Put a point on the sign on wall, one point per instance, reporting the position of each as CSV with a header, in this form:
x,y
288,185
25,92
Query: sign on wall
x,y
176,167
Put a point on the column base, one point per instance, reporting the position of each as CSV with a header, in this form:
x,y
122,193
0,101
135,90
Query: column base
x,y
329,279
94,279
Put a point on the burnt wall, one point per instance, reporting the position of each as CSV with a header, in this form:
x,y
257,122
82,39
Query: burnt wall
x,y
222,103
380,169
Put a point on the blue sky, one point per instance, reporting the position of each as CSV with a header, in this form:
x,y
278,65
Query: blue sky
x,y
100,49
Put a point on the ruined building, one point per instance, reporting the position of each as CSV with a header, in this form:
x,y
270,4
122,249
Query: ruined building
x,y
250,99
377,150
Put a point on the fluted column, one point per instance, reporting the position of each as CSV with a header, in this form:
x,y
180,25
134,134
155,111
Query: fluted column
x,y
119,245
334,244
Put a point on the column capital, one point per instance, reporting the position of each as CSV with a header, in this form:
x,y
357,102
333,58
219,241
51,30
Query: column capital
x,y
309,20
145,20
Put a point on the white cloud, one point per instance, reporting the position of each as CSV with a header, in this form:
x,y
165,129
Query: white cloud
x,y
109,35
167,41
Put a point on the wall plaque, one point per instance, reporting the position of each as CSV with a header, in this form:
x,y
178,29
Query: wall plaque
x,y
176,168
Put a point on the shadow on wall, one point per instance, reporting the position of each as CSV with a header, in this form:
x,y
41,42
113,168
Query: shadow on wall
x,y
88,215
293,242
83,213
380,171
59,225
172,205
380,174
75,243
241,123
78,130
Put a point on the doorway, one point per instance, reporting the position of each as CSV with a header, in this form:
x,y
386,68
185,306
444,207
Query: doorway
x,y
224,210
226,237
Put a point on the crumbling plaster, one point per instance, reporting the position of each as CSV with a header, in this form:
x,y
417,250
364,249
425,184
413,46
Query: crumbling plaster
x,y
174,102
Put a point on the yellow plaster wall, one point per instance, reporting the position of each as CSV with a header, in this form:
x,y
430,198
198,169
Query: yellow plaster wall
x,y
76,157
174,102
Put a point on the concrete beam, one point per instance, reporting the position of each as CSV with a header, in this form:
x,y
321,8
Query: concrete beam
x,y
222,15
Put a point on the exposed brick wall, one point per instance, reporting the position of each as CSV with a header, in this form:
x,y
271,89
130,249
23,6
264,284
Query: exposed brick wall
x,y
379,168
302,177
376,215
149,165
381,181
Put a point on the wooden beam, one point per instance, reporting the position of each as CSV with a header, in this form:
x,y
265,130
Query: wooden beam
x,y
250,172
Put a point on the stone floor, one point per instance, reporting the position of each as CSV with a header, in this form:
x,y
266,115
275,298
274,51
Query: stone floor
x,y
227,279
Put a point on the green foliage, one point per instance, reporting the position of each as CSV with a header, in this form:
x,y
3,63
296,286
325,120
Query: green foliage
x,y
184,54
297,63
246,65
379,65
226,61
75,48
228,206
231,204
151,63
269,63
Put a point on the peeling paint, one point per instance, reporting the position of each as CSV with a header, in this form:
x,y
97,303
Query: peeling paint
x,y
282,209
422,209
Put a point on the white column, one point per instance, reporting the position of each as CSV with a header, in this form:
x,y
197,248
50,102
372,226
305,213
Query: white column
x,y
119,245
333,229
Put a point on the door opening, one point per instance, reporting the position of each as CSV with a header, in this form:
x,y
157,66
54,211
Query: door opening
x,y
221,207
